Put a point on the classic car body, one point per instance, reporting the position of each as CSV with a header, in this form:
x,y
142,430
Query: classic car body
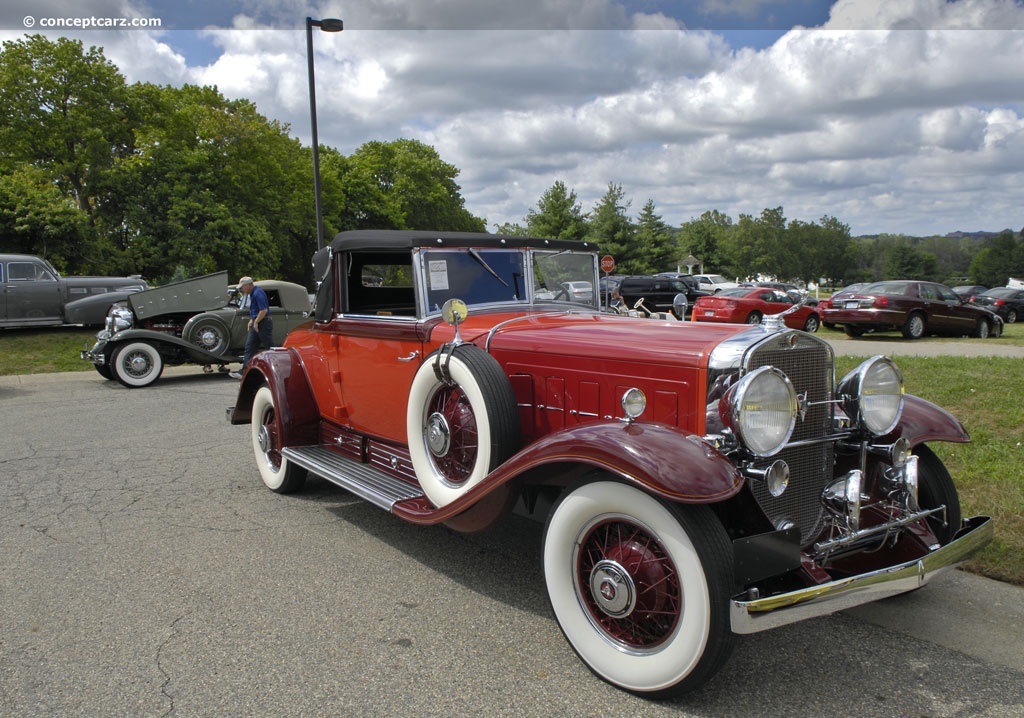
x,y
34,294
746,305
915,308
697,481
198,321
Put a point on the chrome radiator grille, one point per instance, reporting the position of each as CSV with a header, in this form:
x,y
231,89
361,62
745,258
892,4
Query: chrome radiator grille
x,y
809,364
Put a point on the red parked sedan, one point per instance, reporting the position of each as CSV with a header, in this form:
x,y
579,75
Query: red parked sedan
x,y
748,305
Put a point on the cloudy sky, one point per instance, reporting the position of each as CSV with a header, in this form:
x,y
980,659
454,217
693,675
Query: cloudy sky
x,y
898,116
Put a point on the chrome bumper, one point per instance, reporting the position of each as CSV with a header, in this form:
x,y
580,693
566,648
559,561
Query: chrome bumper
x,y
96,354
762,614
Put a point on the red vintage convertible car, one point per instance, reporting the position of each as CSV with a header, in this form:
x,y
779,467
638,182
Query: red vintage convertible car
x,y
749,305
697,480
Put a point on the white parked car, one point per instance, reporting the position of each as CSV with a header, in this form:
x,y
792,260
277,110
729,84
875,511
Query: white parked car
x,y
714,283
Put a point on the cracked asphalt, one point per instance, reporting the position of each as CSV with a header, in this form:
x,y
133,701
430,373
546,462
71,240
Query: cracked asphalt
x,y
147,572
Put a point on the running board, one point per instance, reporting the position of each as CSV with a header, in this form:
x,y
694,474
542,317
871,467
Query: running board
x,y
366,482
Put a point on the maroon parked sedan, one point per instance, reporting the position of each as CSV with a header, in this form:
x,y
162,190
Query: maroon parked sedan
x,y
915,308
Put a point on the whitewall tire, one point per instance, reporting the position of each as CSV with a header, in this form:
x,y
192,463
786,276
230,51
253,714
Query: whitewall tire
x,y
460,430
137,364
277,472
640,588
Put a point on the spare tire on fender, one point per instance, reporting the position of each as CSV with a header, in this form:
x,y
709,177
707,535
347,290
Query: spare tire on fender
x,y
462,421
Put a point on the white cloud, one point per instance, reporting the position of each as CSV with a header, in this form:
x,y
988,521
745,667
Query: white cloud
x,y
895,115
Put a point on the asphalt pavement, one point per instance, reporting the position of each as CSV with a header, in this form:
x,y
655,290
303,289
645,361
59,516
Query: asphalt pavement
x,y
147,572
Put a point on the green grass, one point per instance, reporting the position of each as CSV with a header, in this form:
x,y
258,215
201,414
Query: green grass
x,y
985,393
44,351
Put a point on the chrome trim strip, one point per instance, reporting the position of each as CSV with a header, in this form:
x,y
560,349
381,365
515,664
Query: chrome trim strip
x,y
762,614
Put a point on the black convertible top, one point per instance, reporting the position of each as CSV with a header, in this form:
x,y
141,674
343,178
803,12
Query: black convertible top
x,y
393,240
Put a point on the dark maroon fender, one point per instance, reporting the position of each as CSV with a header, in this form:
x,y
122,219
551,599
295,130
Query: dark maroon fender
x,y
660,459
678,466
282,370
924,421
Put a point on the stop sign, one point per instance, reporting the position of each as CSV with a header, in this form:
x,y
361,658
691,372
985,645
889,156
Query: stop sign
x,y
607,263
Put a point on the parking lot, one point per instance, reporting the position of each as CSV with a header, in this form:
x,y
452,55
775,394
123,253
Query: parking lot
x,y
148,572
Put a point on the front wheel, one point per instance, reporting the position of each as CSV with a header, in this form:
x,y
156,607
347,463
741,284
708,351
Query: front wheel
x,y
982,330
640,588
936,488
277,472
137,364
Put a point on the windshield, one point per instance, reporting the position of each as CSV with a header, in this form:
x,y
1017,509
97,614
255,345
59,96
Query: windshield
x,y
501,276
565,276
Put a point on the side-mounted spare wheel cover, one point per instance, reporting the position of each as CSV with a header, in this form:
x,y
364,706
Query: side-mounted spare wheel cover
x,y
462,421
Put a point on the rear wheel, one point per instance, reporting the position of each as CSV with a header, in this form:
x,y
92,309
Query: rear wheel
x,y
640,588
277,472
209,334
754,318
852,331
1011,316
914,327
137,364
812,324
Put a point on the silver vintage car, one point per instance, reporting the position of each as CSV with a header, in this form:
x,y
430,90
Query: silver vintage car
x,y
191,322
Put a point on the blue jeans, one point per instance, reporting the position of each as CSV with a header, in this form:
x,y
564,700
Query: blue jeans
x,y
258,340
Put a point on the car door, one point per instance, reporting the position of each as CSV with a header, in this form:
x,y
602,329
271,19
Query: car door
x,y
31,293
961,318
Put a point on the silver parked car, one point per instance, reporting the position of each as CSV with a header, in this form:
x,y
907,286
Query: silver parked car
x,y
191,322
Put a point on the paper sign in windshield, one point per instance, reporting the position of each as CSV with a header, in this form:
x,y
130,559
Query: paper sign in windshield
x,y
438,271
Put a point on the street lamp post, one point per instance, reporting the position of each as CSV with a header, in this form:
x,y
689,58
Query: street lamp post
x,y
327,25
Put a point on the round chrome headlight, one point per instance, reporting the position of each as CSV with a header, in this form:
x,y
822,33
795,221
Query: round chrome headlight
x,y
872,395
119,318
760,409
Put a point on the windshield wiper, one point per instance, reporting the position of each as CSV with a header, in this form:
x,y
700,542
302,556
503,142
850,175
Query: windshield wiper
x,y
483,263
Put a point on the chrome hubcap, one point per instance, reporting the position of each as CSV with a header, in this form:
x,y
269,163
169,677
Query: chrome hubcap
x,y
613,589
263,439
137,364
438,434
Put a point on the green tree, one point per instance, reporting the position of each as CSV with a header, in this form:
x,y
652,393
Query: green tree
x,y
998,260
655,242
36,217
704,236
907,262
558,215
613,231
403,184
65,113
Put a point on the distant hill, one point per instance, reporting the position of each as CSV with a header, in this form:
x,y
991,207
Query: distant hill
x,y
959,234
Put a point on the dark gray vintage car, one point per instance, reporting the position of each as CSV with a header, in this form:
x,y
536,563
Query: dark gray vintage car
x,y
34,294
198,321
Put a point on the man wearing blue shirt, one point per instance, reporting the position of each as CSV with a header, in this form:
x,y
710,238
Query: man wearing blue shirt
x,y
261,326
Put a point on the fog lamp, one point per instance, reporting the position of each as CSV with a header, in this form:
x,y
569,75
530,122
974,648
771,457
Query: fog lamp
x,y
842,498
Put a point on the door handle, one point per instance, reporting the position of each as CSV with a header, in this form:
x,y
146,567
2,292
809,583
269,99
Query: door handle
x,y
412,356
